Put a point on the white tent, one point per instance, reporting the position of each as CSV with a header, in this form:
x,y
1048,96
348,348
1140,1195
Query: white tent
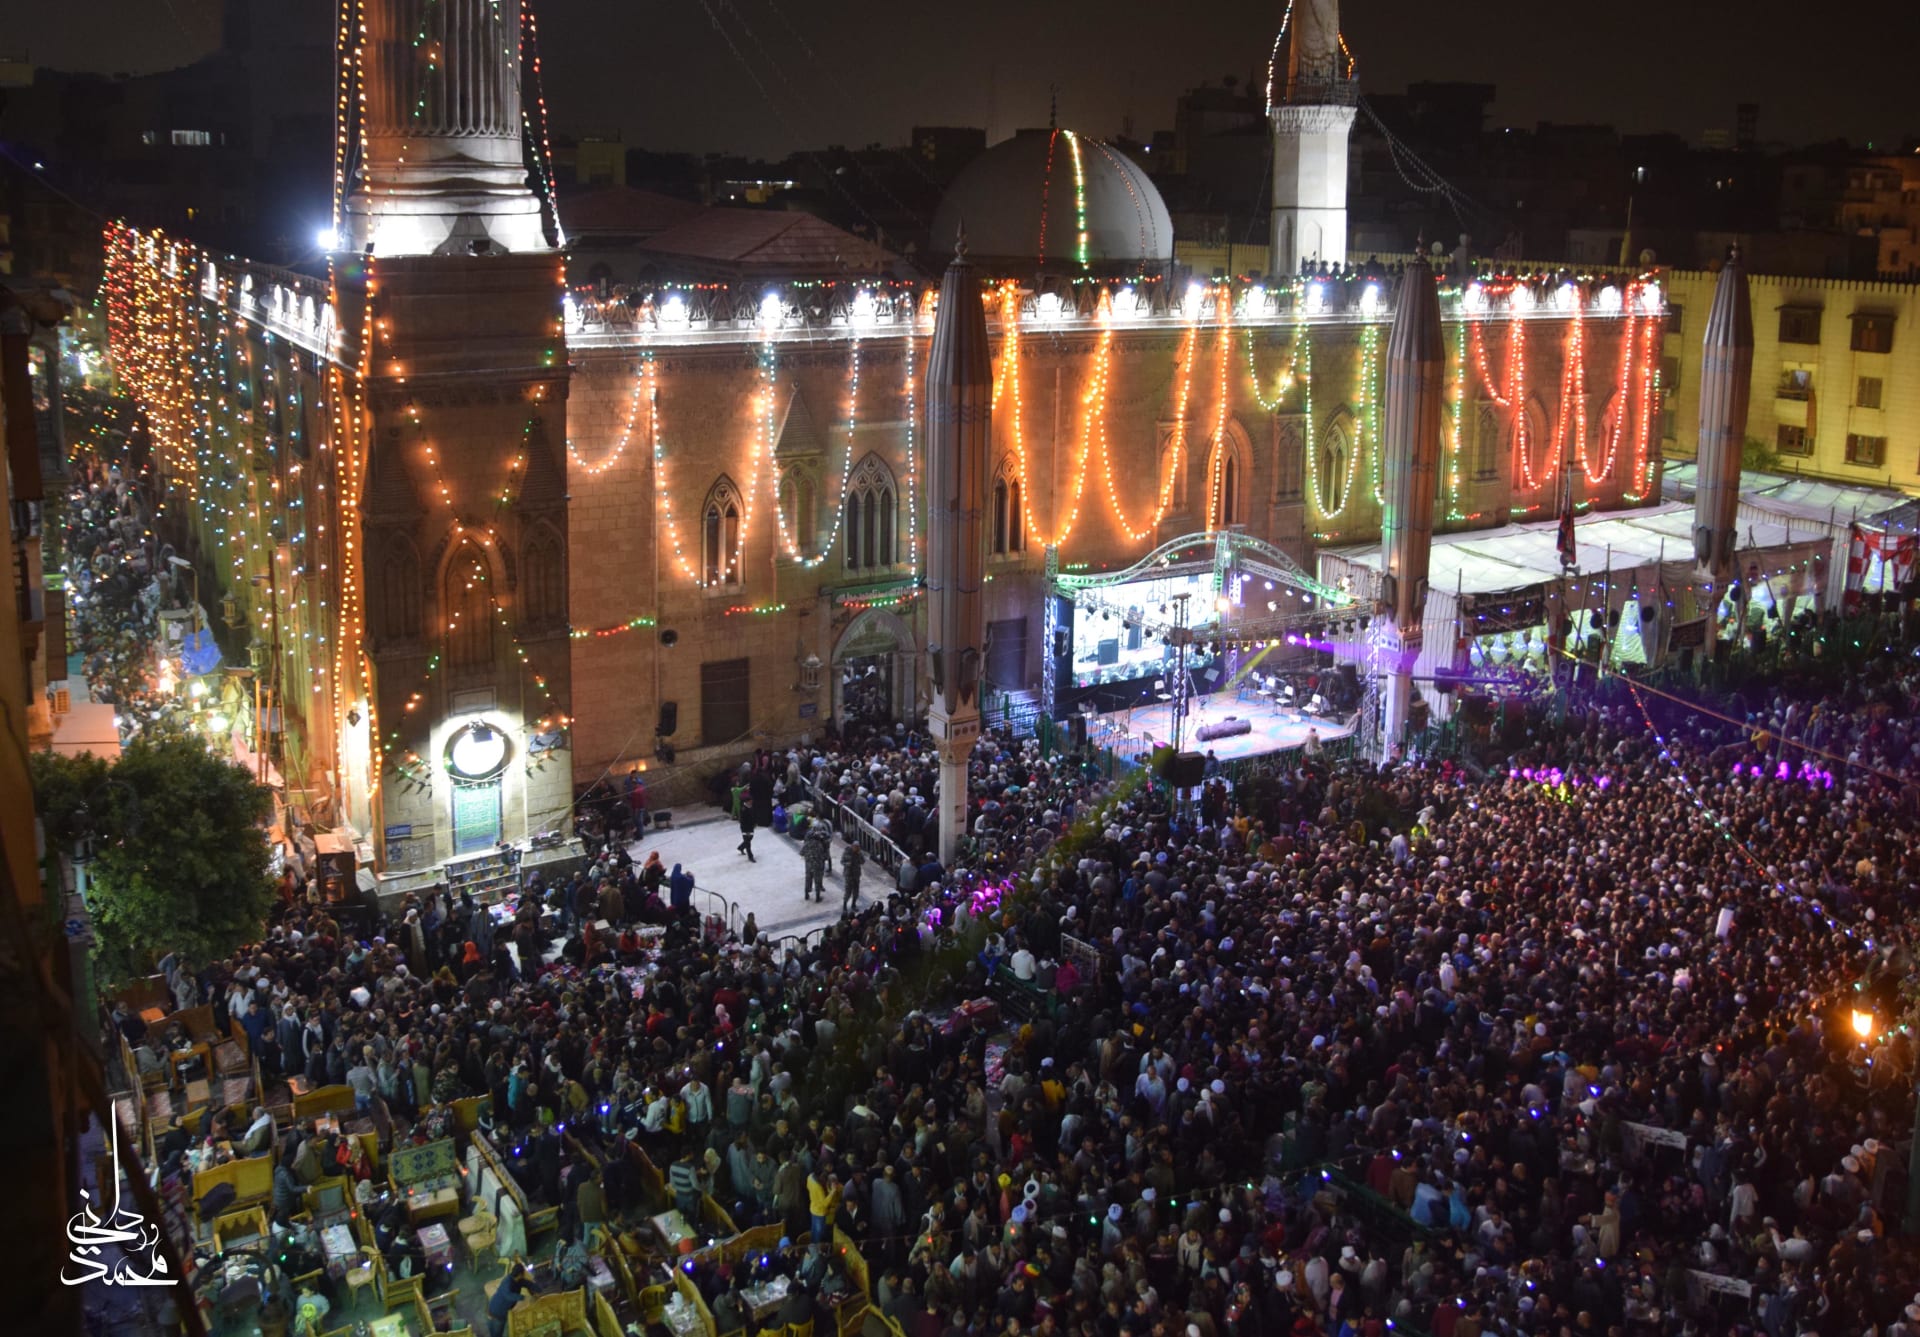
x,y
1510,578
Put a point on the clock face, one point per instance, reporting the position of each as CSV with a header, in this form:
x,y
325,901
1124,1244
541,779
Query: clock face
x,y
478,752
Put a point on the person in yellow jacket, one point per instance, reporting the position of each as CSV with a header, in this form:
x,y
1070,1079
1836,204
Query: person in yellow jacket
x,y
823,1200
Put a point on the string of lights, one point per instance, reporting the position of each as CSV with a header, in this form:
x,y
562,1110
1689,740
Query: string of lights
x,y
1223,350
1283,382
787,539
1183,372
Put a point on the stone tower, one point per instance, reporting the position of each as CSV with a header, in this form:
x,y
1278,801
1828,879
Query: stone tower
x,y
463,498
444,169
1726,378
1415,395
1311,115
959,449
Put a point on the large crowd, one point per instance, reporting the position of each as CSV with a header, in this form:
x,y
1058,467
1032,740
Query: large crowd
x,y
1564,1047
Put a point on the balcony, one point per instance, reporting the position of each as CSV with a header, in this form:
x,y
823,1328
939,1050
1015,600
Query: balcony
x,y
1796,385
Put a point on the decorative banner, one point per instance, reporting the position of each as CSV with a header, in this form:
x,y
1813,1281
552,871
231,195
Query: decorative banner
x,y
1691,634
1878,562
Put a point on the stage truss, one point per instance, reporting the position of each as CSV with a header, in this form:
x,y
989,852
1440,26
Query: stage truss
x,y
1225,553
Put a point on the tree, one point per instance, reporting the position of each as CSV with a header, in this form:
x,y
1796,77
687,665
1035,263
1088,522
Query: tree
x,y
178,858
1758,456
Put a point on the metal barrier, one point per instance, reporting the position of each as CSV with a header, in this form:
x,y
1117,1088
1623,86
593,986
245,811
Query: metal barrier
x,y
715,904
873,842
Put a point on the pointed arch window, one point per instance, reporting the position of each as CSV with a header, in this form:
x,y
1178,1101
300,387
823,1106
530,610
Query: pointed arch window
x,y
468,604
1332,483
1224,477
720,536
1486,461
872,509
1009,534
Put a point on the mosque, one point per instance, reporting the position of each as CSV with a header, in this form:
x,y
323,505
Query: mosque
x,y
493,536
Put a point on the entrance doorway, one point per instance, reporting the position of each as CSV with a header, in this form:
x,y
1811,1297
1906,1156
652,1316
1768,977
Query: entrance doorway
x,y
875,680
866,689
476,816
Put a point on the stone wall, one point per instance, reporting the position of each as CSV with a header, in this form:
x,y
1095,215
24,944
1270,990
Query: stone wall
x,y
740,411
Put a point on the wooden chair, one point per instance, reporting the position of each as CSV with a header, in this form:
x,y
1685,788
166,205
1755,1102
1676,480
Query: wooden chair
x,y
360,1276
394,1291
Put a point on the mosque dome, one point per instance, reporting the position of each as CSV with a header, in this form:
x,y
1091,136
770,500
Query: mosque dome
x,y
1056,199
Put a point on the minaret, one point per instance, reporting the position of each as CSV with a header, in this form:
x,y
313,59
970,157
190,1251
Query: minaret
x,y
1726,379
443,171
1311,117
1416,389
959,432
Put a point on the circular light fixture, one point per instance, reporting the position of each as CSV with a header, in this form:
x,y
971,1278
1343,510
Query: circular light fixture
x,y
477,753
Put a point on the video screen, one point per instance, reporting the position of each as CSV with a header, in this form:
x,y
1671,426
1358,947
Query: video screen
x,y
1110,643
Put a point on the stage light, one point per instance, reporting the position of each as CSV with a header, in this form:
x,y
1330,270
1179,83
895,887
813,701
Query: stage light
x,y
1272,606
327,239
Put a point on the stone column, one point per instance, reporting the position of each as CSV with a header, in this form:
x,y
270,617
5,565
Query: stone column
x,y
1416,387
959,395
1726,380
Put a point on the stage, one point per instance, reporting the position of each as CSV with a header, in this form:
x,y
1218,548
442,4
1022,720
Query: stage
x,y
1140,730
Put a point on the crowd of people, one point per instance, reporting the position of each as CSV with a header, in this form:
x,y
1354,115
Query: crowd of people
x,y
1564,1047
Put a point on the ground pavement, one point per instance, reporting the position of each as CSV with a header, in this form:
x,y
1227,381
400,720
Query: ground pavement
x,y
770,887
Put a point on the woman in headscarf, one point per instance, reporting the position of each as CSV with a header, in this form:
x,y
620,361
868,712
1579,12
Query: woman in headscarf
x,y
680,888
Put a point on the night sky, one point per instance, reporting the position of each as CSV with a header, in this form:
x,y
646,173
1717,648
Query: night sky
x,y
812,72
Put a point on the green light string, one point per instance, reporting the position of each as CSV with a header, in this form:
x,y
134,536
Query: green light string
x,y
1283,383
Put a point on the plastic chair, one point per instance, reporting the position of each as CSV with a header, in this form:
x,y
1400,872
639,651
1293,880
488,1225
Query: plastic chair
x,y
804,1328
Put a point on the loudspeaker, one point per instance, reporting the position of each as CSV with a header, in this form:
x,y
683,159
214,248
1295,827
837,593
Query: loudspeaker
x,y
1758,636
1347,692
1184,770
1062,642
669,719
1077,725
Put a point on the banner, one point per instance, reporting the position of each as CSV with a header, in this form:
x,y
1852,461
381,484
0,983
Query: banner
x,y
1640,1135
1689,634
1878,562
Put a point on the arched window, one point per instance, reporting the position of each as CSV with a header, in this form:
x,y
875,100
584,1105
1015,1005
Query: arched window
x,y
1223,479
1009,526
1330,485
720,535
872,507
543,585
399,594
468,606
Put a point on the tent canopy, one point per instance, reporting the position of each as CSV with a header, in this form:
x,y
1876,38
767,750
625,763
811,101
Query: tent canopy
x,y
1517,556
1817,501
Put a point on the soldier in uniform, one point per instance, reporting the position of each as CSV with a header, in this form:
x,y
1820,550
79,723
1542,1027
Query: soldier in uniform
x,y
815,849
850,865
